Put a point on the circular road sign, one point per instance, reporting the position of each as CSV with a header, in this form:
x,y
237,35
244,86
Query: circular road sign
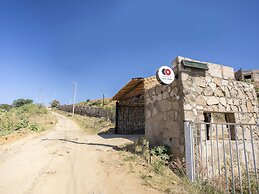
x,y
165,75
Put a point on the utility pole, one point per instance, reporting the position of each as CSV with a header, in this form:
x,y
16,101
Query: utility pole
x,y
75,90
103,99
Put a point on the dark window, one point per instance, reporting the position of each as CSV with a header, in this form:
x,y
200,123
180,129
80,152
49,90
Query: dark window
x,y
230,118
247,77
227,118
207,119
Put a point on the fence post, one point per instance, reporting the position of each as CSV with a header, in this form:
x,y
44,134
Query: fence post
x,y
189,155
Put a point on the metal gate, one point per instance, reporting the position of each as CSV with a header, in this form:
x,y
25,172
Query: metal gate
x,y
224,153
130,119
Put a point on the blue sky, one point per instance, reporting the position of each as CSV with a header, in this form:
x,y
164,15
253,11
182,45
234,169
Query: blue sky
x,y
102,44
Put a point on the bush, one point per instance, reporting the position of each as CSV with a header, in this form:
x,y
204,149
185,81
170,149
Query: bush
x,y
54,103
20,117
5,107
35,127
22,124
31,109
21,102
162,152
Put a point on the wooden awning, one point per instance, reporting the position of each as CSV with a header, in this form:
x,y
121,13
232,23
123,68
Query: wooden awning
x,y
133,88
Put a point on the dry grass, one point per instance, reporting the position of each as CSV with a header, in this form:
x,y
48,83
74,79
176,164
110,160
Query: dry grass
x,y
45,121
160,174
91,125
157,175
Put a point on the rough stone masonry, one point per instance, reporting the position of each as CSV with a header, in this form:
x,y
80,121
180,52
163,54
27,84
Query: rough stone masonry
x,y
194,92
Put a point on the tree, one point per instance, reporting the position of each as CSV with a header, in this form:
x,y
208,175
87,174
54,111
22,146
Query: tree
x,y
5,107
21,102
54,103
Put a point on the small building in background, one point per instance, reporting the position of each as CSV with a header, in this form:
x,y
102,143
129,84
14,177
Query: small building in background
x,y
250,76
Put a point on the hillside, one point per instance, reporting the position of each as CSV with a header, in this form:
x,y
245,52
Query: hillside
x,y
108,103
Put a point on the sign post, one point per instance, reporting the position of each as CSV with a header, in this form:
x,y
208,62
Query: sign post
x,y
165,75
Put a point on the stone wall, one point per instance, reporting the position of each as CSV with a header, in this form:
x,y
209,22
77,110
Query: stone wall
x,y
89,111
164,117
150,82
216,90
195,92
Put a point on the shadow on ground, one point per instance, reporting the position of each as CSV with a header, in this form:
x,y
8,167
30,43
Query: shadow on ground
x,y
84,143
109,134
129,137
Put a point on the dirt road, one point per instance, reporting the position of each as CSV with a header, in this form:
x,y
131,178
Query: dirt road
x,y
65,160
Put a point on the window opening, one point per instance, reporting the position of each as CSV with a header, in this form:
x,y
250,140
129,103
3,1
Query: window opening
x,y
207,119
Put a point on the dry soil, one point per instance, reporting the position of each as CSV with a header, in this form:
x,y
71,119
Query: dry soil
x,y
66,160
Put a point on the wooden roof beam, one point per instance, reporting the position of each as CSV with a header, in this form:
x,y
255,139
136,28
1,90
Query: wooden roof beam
x,y
130,90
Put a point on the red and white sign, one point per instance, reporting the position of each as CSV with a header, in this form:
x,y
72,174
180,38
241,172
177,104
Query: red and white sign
x,y
165,75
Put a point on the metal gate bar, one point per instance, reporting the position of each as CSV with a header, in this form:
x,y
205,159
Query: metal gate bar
x,y
238,162
234,154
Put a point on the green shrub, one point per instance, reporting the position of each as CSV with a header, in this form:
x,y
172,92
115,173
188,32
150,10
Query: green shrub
x,y
161,151
97,103
21,102
20,117
22,124
54,103
35,127
5,107
31,109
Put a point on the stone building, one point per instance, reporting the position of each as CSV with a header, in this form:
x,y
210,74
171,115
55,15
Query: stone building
x,y
130,114
201,92
250,76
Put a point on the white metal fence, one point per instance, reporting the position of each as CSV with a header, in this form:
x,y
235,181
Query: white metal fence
x,y
227,154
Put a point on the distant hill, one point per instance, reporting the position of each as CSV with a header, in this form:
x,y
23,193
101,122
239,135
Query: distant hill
x,y
108,103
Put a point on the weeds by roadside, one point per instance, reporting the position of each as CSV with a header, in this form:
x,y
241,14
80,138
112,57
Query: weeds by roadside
x,y
29,116
91,125
160,171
